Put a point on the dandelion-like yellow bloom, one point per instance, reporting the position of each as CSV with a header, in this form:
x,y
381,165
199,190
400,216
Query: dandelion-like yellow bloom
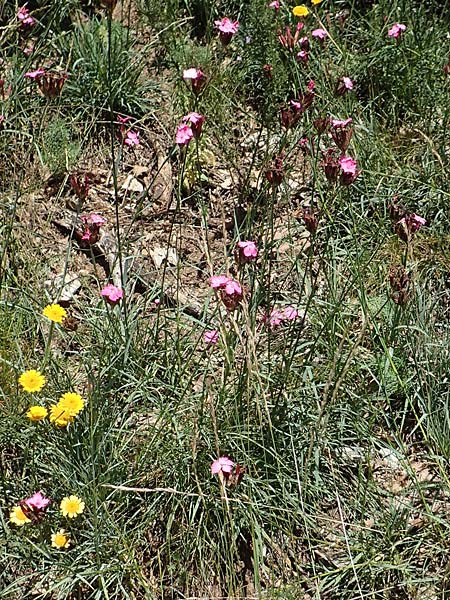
x,y
71,506
71,403
316,1
59,416
300,11
18,517
60,539
32,381
37,413
55,313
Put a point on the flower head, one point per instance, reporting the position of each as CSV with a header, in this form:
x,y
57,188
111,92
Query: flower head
x,y
71,506
112,294
132,138
396,30
218,281
32,381
184,135
18,517
319,34
316,1
344,85
349,171
71,403
211,336
59,416
196,120
23,16
275,4
37,501
300,11
55,313
37,413
227,28
408,225
35,74
197,79
60,539
222,465
246,251
92,224
230,290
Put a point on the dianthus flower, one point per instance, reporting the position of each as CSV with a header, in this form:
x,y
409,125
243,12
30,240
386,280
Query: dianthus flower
x,y
35,74
32,381
92,224
55,313
349,170
37,413
222,465
184,135
197,79
344,85
246,251
396,30
230,290
71,403
227,28
341,133
408,225
196,120
275,4
18,517
60,539
132,138
37,501
211,336
112,294
23,16
319,34
71,506
300,11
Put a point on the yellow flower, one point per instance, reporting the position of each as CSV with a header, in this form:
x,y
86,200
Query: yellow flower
x,y
37,413
32,381
59,416
60,539
71,506
55,313
300,11
316,1
71,403
18,517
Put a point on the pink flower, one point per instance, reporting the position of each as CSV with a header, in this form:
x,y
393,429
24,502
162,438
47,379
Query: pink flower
x,y
197,79
344,85
227,28
319,34
275,5
289,41
222,465
246,251
211,337
408,225
196,120
112,294
123,120
37,501
218,282
290,313
24,17
35,74
396,30
349,170
336,123
230,290
302,56
132,138
233,288
92,224
184,135
348,165
275,318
